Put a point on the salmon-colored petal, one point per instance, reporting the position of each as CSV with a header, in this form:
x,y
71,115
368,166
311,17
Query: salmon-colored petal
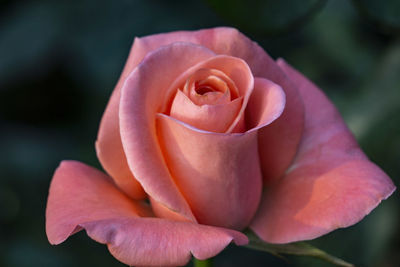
x,y
305,205
218,174
221,40
214,118
163,211
142,96
237,70
78,194
109,146
278,142
204,82
266,104
331,183
161,242
82,197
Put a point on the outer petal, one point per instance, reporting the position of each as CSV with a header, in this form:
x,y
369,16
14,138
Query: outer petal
x,y
82,197
219,174
278,142
143,95
161,242
331,183
109,146
79,194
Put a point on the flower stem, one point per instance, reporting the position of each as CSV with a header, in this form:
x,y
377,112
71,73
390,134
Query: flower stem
x,y
200,263
296,248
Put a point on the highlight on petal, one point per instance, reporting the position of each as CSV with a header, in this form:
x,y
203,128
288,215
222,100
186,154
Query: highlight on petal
x,y
142,96
78,194
82,197
218,174
305,205
161,242
331,183
108,144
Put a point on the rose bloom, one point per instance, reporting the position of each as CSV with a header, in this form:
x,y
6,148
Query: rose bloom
x,y
206,135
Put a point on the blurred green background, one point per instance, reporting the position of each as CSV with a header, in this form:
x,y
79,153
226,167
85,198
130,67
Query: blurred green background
x,y
59,61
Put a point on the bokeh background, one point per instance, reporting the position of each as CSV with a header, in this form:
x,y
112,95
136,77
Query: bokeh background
x,y
59,61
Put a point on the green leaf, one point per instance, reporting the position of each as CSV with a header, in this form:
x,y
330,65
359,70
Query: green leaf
x,y
298,248
385,13
266,16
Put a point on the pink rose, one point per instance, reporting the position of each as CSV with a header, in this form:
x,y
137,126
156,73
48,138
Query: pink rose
x,y
218,137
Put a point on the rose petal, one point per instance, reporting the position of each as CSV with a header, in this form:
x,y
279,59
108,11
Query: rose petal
x,y
144,94
219,174
82,197
78,194
237,70
163,211
109,146
161,242
278,142
331,183
215,118
213,81
266,104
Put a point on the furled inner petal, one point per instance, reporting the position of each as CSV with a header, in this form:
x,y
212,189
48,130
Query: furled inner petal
x,y
210,86
212,95
278,142
216,118
266,104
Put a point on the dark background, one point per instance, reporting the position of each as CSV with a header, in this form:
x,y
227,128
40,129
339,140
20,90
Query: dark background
x,y
59,61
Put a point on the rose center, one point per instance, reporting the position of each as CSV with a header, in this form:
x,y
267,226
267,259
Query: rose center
x,y
204,90
210,87
211,99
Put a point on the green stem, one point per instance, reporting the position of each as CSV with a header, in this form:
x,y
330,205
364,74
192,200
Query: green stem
x,y
200,263
297,248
